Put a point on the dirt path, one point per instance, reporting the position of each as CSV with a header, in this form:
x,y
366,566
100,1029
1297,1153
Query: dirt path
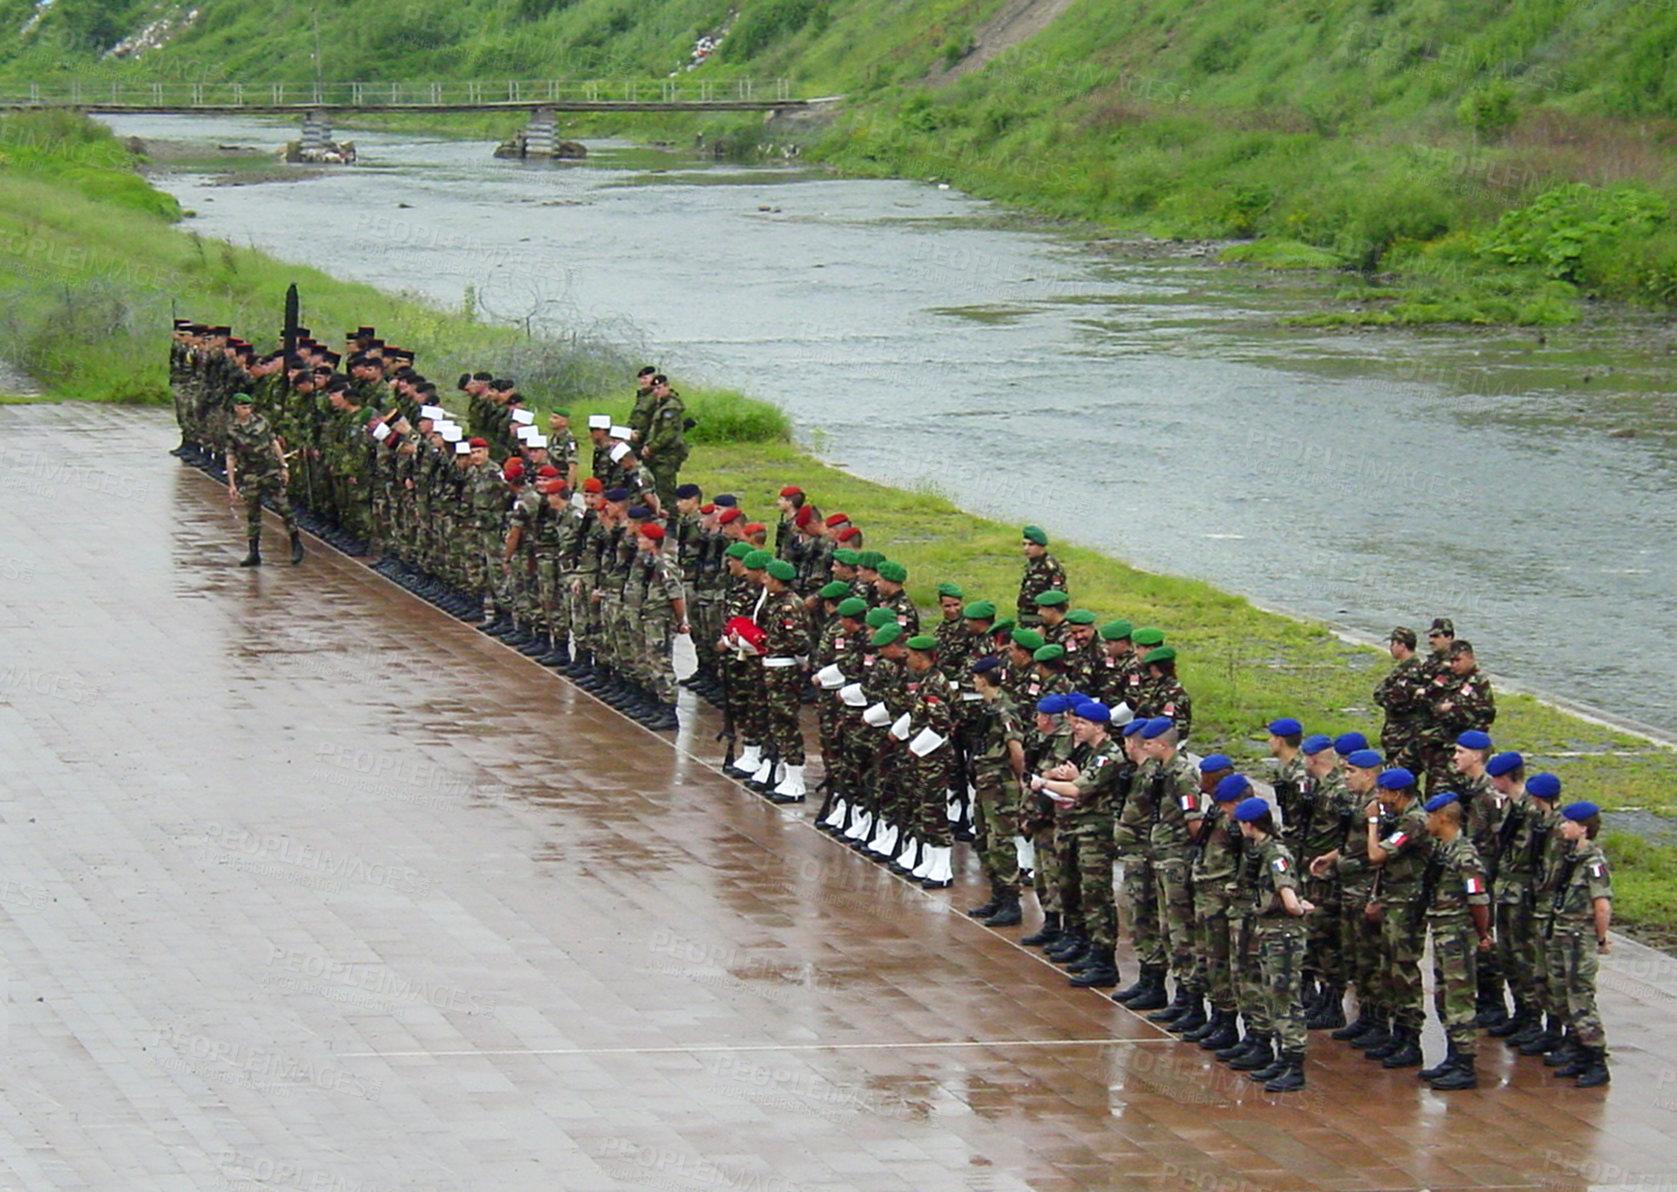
x,y
1017,21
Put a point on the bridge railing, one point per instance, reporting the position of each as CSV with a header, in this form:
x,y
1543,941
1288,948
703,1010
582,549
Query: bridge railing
x,y
370,94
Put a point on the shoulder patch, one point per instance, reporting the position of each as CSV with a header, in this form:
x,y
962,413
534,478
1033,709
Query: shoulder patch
x,y
1279,865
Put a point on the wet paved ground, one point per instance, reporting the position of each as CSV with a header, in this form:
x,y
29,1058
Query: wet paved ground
x,y
308,886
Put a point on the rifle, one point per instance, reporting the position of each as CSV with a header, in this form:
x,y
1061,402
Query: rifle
x,y
1429,889
1504,838
1558,899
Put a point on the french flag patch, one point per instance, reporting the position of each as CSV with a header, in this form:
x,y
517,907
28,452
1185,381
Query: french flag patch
x,y
1398,839
1279,864
1475,885
1187,802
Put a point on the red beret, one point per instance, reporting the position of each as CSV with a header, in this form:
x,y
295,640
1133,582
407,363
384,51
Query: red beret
x,y
551,486
756,528
653,531
592,485
803,516
730,516
513,461
547,471
791,490
477,442
838,519
846,534
708,507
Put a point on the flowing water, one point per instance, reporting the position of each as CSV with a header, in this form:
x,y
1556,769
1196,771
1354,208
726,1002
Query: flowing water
x,y
1146,403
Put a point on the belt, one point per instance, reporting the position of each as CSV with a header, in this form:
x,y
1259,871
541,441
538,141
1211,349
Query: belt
x,y
780,662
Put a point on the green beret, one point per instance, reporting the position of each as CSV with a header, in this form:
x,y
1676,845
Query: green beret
x,y
1081,616
1148,637
738,550
923,642
1116,631
1049,653
886,634
855,606
871,559
951,590
1162,654
1005,625
846,556
782,570
1051,598
1027,639
980,610
880,616
757,560
837,590
894,572
1035,534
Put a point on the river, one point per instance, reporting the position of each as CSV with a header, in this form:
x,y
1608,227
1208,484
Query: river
x,y
1147,404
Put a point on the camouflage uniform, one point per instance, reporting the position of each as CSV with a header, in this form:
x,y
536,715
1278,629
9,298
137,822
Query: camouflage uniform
x,y
1521,840
926,775
1132,845
1042,574
522,585
1084,833
1472,704
1548,959
486,495
1402,935
1359,939
654,582
1048,876
997,797
1216,868
1400,694
1176,807
787,636
1583,878
1453,882
1325,814
664,446
257,471
1279,939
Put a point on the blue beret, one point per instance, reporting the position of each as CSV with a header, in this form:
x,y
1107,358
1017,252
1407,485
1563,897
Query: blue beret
x,y
1158,727
726,501
1214,762
1348,743
1248,810
1052,705
1287,726
1581,811
1315,744
1474,739
1395,779
1440,801
1135,726
1077,697
640,512
1502,763
1092,709
1365,759
617,494
986,664
1543,786
687,491
1232,787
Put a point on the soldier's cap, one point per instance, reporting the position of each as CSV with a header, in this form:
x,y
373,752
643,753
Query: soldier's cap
x,y
1157,727
523,417
1504,763
1027,639
871,559
1365,759
1286,726
1212,762
618,452
791,490
923,642
220,330
849,532
1035,534
887,633
617,494
640,512
653,531
1250,810
852,606
757,560
804,516
1459,647
1403,634
845,556
986,665
782,570
1442,625
593,485
513,469
1580,811
980,610
550,486
953,591
687,492
547,472
729,516
560,413
1442,800
1148,636
837,590
738,550
1136,725
1116,631
1543,786
755,528
1348,743
727,500
182,324
1231,787
477,442
1314,744
1395,779
462,448
1092,710
1054,704
620,432
503,385
1081,616
708,507
880,616
1049,653
1474,739
1052,598
837,519
451,434
1162,654
892,572
599,421
243,399
432,412
536,442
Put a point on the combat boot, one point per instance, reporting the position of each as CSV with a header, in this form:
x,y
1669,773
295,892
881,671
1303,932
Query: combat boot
x,y
763,777
1176,1009
296,547
1357,1026
1379,1049
1270,1070
1135,990
1575,1066
985,909
538,645
665,720
1545,1042
1532,1031
1226,1035
1407,1054
499,625
1102,973
557,658
1186,1024
1330,1010
1071,949
1212,1024
254,558
1238,1048
1259,1055
1515,1023
1153,998
1291,1077
1492,1010
1462,1074
1443,1065
791,788
746,763
1561,1056
1045,936
521,635
1376,1034
940,870
1009,913
1595,1073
